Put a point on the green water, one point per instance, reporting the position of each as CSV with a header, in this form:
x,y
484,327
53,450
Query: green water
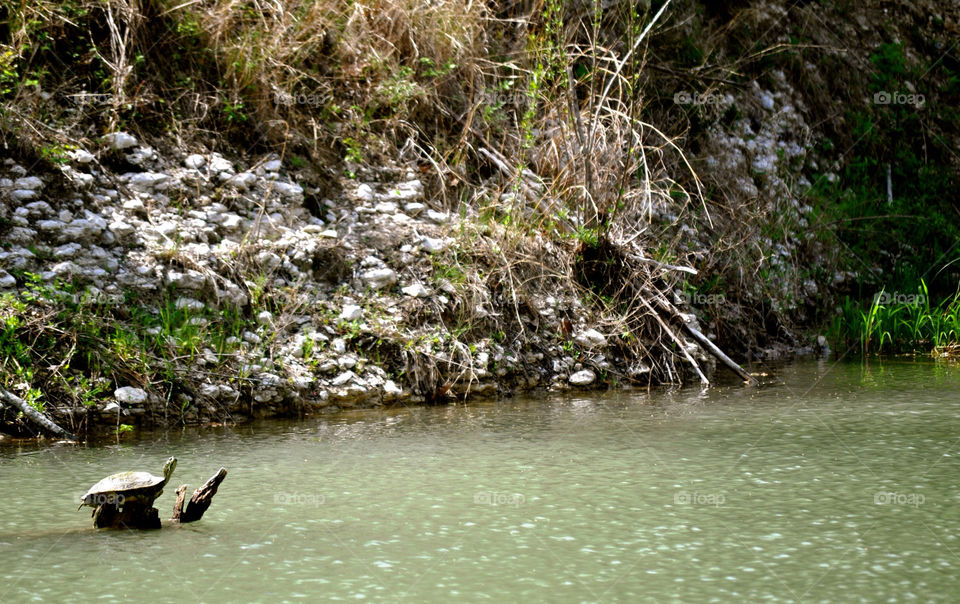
x,y
826,484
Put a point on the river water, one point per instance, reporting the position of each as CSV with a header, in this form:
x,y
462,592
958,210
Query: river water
x,y
828,483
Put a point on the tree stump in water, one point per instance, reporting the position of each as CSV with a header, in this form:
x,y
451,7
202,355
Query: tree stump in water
x,y
131,515
200,500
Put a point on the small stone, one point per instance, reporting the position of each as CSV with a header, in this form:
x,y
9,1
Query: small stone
x,y
147,181
287,189
273,165
339,345
66,251
268,260
302,382
23,194
49,226
219,164
188,303
195,161
122,229
432,244
231,222
379,278
351,312
189,279
414,208
130,396
252,338
120,140
591,338
269,379
39,208
343,378
30,183
134,205
364,192
391,389
406,191
82,157
7,280
584,377
437,217
416,290
243,180
265,317
20,235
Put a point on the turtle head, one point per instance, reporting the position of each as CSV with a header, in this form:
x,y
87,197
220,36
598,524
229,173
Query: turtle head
x,y
169,467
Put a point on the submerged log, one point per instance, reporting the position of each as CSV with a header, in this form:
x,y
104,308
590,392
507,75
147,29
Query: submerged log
x,y
200,501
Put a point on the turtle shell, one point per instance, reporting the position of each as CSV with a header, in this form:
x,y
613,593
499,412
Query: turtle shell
x,y
128,487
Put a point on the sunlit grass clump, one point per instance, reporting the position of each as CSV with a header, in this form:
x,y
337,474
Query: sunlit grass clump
x,y
900,323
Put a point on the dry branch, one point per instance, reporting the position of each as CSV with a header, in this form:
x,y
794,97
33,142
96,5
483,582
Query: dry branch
x,y
201,500
715,351
34,415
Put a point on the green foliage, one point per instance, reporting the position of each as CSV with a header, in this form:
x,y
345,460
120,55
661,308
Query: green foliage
x,y
896,323
233,112
588,236
9,74
891,67
399,89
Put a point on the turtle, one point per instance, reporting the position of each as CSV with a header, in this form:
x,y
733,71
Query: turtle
x,y
138,488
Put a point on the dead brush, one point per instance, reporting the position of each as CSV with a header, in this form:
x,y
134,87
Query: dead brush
x,y
584,139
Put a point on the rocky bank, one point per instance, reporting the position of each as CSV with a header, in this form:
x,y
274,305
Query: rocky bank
x,y
256,297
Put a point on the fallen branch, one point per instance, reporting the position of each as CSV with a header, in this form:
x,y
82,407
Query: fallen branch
x,y
663,265
34,415
712,349
677,341
704,341
201,500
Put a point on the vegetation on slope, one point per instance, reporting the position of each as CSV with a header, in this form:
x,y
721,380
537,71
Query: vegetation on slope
x,y
550,119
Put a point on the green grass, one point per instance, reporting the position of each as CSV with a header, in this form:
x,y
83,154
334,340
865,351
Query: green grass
x,y
896,323
60,345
